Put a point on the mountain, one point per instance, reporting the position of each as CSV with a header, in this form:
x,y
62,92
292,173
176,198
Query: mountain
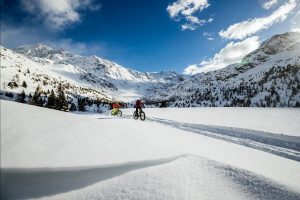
x,y
268,76
98,66
81,76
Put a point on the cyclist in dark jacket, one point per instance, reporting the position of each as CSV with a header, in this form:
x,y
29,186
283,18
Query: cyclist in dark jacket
x,y
138,106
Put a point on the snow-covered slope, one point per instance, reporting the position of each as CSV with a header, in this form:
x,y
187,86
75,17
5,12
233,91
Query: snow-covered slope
x,y
93,64
71,156
17,68
89,76
269,76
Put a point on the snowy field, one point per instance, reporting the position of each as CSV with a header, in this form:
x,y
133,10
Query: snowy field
x,y
272,120
175,154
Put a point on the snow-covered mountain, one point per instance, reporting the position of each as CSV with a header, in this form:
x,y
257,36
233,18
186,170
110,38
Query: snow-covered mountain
x,y
89,76
269,76
98,66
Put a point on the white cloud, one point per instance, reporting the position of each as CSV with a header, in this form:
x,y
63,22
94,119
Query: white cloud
x,y
209,36
186,9
296,29
210,20
59,13
77,47
12,37
251,26
231,53
268,4
295,22
188,27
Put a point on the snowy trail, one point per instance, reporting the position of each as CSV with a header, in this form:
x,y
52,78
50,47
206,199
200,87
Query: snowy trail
x,y
33,183
281,145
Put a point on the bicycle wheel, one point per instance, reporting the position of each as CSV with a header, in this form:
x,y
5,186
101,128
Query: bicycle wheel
x,y
135,116
119,114
142,116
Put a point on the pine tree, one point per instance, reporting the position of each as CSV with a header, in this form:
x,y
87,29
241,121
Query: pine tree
x,y
73,107
51,100
21,97
42,101
248,102
36,99
61,102
30,97
81,104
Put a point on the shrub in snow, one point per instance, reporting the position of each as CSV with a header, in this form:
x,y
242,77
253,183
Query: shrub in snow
x,y
12,84
24,84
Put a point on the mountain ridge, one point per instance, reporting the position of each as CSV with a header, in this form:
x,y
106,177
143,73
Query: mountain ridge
x,y
272,68
268,76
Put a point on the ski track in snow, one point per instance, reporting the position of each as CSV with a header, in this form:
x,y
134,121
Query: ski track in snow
x,y
280,145
33,183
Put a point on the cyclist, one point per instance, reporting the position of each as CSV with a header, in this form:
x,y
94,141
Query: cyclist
x,y
138,106
115,107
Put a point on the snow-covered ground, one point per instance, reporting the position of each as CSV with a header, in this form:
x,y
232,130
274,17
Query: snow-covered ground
x,y
57,155
273,120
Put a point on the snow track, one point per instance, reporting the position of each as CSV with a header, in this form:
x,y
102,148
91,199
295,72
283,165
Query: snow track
x,y
34,183
281,145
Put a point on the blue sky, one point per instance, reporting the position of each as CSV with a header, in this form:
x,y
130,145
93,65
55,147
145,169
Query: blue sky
x,y
188,36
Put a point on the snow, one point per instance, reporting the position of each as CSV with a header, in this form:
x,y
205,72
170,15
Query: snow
x,y
112,81
273,120
60,155
46,73
188,177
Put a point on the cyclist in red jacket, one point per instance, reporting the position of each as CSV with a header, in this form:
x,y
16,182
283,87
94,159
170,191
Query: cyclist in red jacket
x,y
116,106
